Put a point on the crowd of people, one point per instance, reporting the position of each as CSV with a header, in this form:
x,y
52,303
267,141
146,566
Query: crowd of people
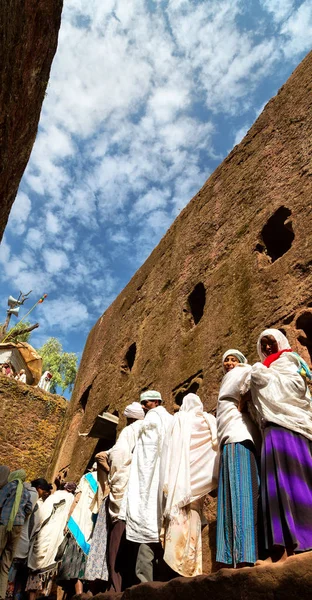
x,y
138,514
8,370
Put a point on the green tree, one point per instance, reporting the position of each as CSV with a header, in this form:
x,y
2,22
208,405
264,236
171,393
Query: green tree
x,y
20,332
63,365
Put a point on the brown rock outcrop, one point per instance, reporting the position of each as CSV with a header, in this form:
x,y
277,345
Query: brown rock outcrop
x,y
292,579
236,260
30,421
28,41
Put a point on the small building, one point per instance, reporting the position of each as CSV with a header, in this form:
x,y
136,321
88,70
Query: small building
x,y
22,356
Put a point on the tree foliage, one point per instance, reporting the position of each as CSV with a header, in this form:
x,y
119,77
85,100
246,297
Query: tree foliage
x,y
20,337
63,365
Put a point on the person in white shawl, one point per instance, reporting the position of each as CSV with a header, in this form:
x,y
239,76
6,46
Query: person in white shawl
x,y
47,536
238,478
141,509
119,460
80,526
282,399
188,472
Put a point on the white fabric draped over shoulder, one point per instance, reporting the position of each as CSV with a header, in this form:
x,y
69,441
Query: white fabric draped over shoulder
x,y
141,512
81,521
51,520
232,425
281,395
120,457
189,463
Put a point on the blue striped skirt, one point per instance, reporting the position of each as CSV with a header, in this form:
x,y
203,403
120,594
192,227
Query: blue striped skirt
x,y
286,476
238,495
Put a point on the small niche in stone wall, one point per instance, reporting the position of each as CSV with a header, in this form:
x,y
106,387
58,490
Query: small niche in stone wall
x,y
190,385
129,359
276,236
85,397
304,323
195,305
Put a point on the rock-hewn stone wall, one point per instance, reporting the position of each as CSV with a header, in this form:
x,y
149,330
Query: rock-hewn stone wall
x,y
236,260
30,421
292,579
28,40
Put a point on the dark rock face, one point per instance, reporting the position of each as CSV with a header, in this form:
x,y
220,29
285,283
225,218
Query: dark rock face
x,y
28,41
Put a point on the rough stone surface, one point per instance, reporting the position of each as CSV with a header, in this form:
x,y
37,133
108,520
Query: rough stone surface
x,y
30,421
254,272
28,41
292,579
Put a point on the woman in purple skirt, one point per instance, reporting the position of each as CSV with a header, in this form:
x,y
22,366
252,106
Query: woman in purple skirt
x,y
282,399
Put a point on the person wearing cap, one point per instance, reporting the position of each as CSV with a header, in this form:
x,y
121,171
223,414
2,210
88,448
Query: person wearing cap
x,y
118,462
141,510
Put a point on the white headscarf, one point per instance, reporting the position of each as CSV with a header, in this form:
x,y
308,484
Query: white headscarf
x,y
233,352
188,464
134,411
281,339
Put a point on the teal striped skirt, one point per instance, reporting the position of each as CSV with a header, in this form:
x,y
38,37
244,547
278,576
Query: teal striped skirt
x,y
238,496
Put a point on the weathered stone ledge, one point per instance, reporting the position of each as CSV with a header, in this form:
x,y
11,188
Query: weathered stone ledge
x,y
292,579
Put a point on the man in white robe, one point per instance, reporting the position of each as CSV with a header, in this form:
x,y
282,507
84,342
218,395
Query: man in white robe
x,y
119,460
142,512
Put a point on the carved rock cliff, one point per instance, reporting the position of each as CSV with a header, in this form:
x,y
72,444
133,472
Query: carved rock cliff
x,y
236,260
28,41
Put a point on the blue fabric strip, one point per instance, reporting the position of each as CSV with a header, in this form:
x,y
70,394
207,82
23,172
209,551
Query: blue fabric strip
x,y
78,535
92,482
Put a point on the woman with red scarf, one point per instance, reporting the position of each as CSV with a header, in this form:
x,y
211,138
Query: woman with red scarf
x,y
282,399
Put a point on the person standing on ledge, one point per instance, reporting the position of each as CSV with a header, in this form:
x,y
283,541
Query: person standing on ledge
x,y
142,514
238,492
282,398
121,561
188,472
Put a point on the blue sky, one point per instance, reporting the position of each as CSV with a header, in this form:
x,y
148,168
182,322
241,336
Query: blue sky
x,y
145,99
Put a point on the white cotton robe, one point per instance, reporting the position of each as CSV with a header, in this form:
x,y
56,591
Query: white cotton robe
x,y
142,508
232,425
189,471
120,457
281,395
50,532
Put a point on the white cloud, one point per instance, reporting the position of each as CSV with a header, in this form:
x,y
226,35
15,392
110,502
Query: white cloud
x,y
140,98
240,134
5,252
52,223
65,313
154,198
298,30
280,9
20,213
55,261
34,238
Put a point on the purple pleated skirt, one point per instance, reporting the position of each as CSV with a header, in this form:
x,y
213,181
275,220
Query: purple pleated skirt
x,y
286,482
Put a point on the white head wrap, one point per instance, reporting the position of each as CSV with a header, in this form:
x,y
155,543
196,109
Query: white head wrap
x,y
232,352
134,411
281,339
